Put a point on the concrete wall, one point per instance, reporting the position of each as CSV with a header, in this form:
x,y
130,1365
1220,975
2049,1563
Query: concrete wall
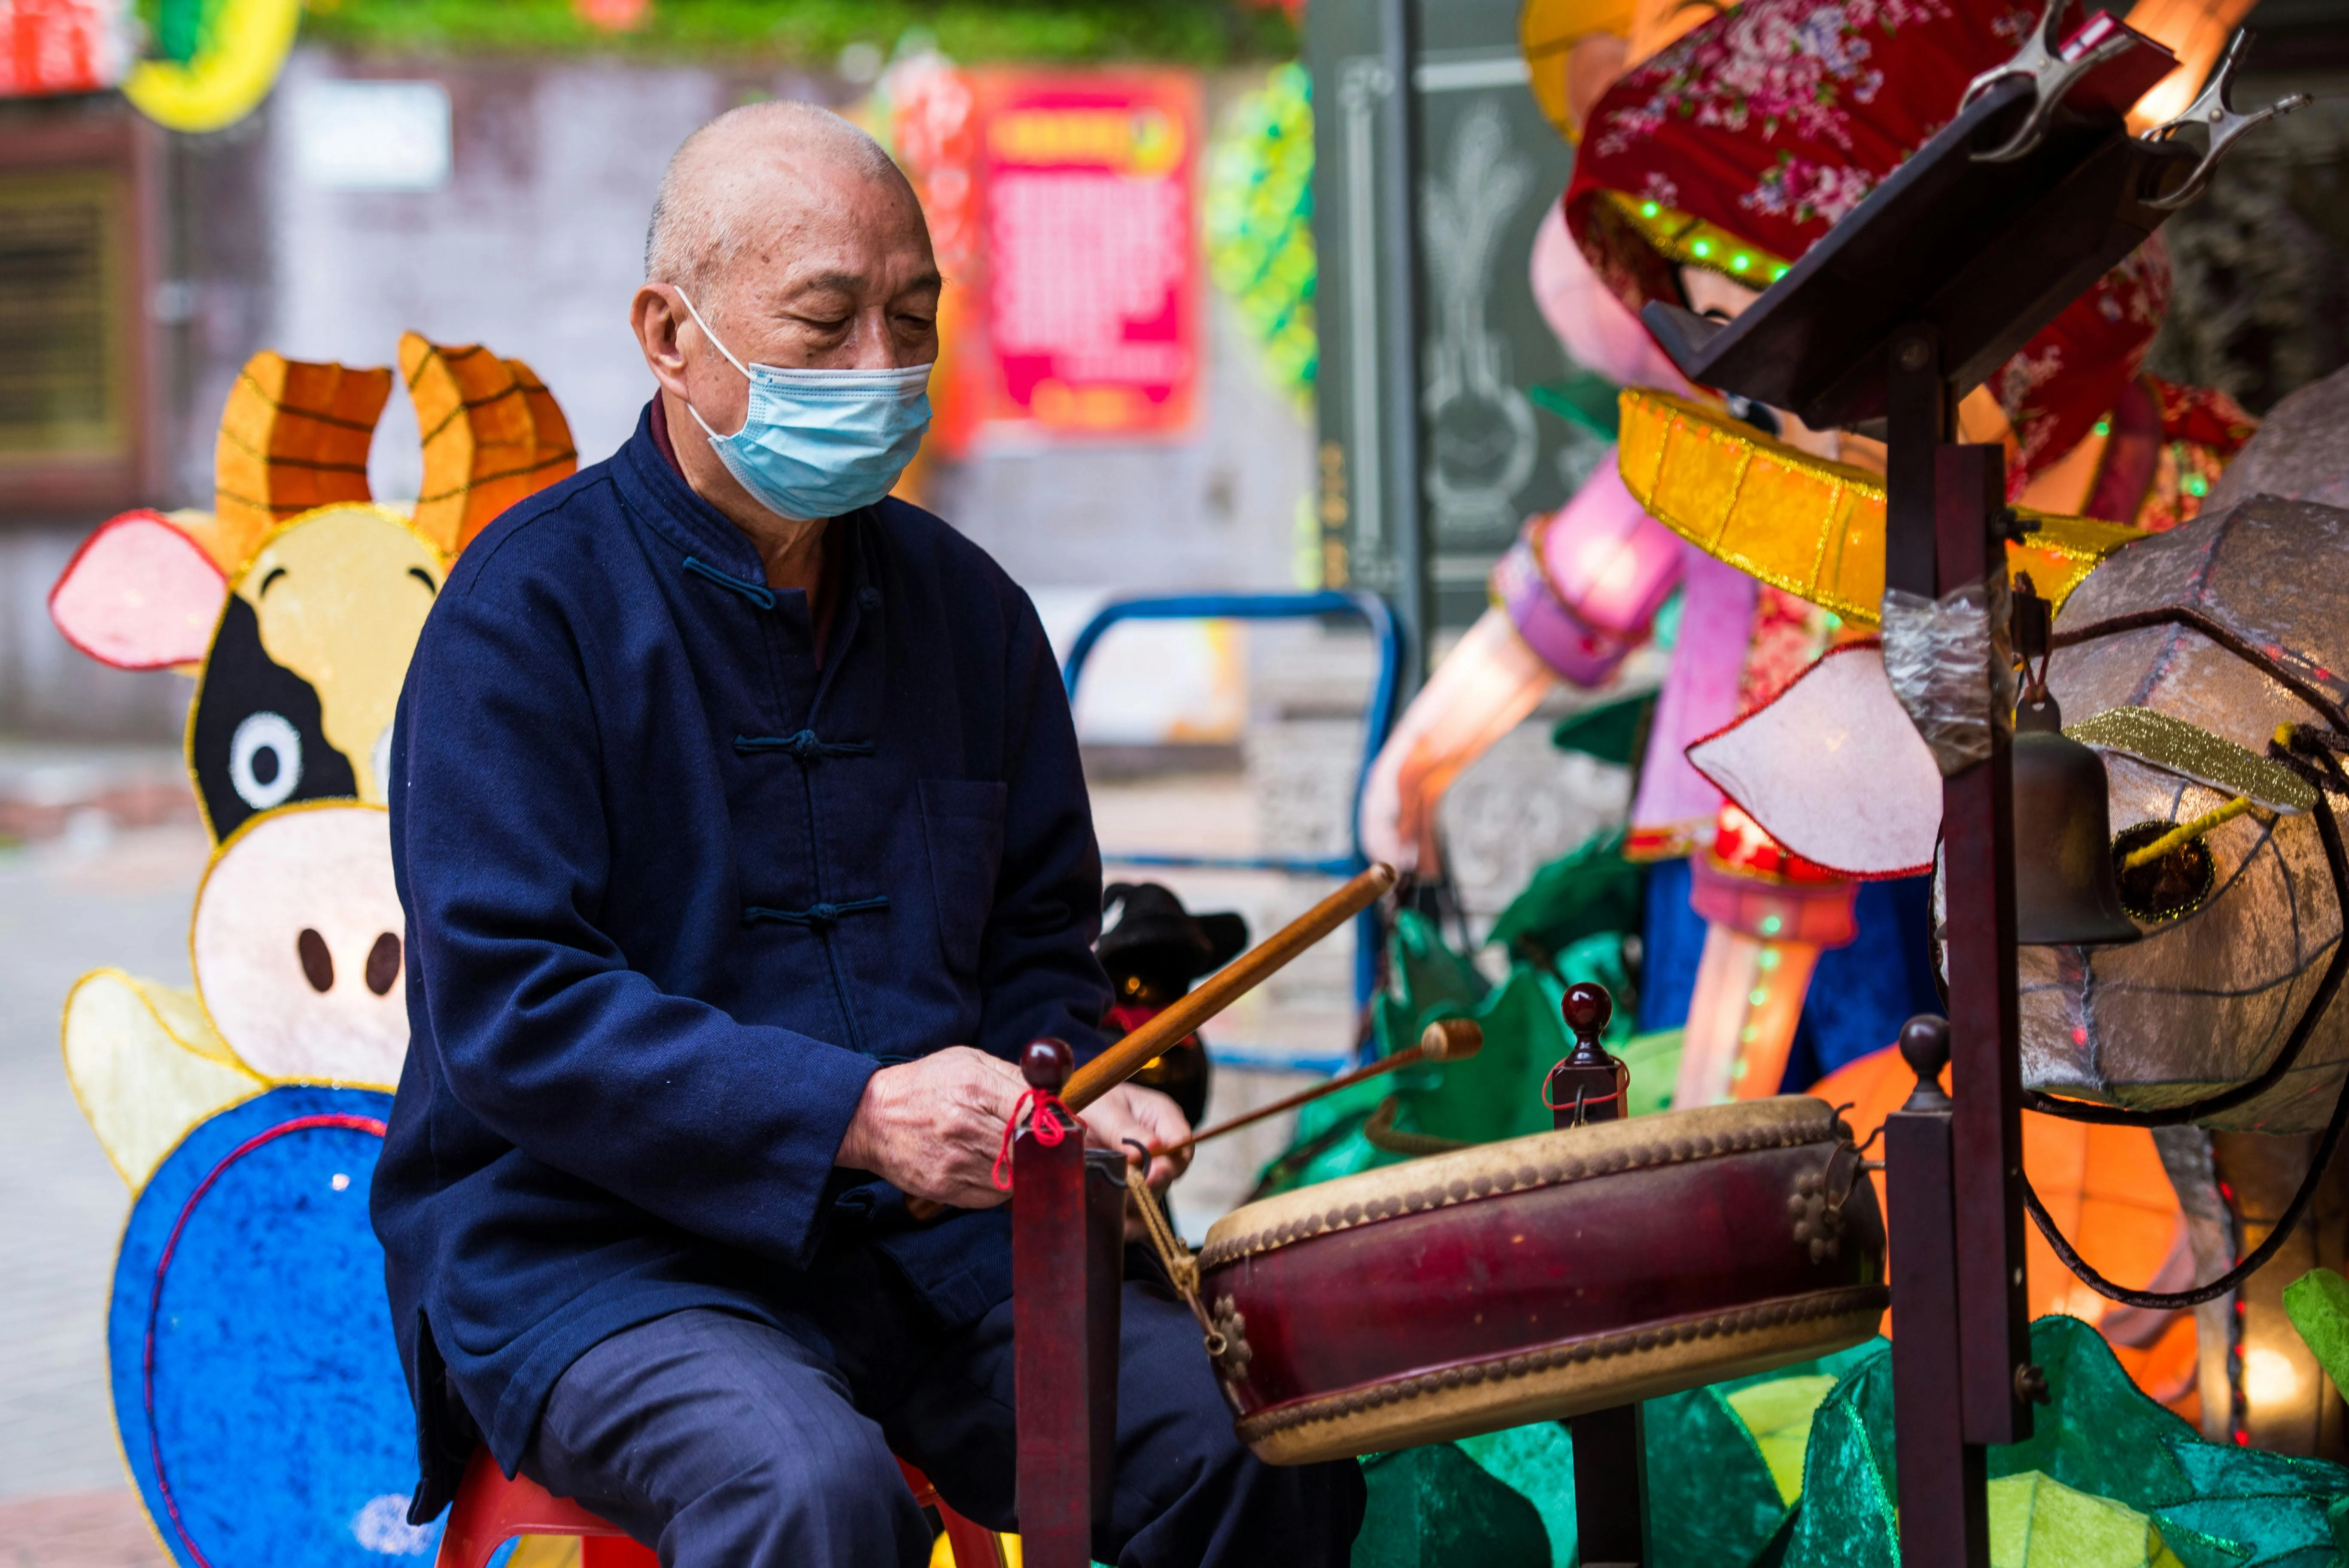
x,y
534,246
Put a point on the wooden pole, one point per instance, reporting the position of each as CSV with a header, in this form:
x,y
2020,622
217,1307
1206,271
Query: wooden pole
x,y
1444,1040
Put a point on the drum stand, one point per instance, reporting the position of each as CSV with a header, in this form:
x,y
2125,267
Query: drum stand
x,y
1611,1446
1068,1257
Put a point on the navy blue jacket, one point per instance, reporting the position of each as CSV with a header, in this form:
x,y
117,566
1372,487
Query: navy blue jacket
x,y
673,893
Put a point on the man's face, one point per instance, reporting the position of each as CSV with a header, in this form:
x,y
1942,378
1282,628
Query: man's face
x,y
837,275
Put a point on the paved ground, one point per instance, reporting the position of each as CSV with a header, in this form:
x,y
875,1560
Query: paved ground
x,y
103,1529
88,899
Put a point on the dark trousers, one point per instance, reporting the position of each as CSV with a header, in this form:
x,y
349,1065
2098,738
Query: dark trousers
x,y
726,1443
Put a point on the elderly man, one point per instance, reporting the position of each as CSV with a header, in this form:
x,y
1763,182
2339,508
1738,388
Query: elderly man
x,y
738,821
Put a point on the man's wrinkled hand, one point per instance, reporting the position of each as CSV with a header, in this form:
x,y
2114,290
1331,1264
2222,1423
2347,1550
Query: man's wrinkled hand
x,y
1146,1117
932,1127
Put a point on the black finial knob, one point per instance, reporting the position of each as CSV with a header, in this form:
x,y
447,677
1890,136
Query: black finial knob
x,y
1588,1009
1046,1064
1925,1046
1589,1085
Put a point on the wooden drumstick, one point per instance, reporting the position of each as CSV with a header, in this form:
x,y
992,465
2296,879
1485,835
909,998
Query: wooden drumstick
x,y
1445,1040
1126,1056
1129,1055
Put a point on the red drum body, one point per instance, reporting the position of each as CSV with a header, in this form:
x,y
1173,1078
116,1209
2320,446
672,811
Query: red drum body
x,y
1542,1277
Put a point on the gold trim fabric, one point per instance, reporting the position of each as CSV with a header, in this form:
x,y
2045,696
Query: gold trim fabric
x,y
2171,744
1691,242
1812,527
1571,1378
1518,1164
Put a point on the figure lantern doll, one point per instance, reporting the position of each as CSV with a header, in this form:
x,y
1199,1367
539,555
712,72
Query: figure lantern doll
x,y
1712,157
1153,949
256,1383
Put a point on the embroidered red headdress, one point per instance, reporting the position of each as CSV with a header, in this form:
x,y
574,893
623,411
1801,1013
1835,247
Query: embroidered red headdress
x,y
1738,146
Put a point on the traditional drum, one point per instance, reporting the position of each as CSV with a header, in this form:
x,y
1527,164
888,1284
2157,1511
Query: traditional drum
x,y
1542,1277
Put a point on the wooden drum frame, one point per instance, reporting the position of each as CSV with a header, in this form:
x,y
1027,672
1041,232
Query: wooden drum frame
x,y
1542,1277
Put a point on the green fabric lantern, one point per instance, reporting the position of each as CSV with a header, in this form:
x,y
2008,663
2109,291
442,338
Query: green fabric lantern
x,y
2215,1506
1436,1507
1592,891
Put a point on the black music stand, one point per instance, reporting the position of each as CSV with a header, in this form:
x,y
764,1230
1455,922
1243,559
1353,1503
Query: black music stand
x,y
1948,266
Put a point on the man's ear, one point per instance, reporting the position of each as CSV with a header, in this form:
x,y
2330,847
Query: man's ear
x,y
658,316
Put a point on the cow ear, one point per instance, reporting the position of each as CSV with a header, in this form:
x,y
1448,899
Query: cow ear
x,y
140,595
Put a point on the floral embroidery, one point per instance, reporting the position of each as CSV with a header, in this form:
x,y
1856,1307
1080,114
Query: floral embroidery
x,y
2016,386
1801,190
1794,67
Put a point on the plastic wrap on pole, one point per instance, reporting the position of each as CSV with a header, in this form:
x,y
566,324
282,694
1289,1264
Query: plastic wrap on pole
x,y
1952,669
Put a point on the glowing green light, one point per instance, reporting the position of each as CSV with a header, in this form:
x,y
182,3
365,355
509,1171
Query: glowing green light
x,y
1777,272
1771,925
1757,996
2102,426
1769,959
1740,261
1702,247
2196,485
1649,209
1738,1073
1749,1034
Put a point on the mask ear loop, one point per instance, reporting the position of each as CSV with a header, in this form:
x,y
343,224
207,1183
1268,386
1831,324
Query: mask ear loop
x,y
713,338
716,440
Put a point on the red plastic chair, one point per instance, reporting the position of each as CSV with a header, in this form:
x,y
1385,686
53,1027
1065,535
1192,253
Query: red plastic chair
x,y
491,1510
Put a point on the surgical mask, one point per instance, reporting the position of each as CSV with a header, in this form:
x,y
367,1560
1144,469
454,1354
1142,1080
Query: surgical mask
x,y
818,443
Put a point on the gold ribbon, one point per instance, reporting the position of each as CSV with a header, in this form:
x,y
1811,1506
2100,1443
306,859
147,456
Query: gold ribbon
x,y
2171,744
1812,527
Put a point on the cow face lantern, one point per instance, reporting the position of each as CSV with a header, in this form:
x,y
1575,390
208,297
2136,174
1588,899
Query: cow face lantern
x,y
256,1387
296,602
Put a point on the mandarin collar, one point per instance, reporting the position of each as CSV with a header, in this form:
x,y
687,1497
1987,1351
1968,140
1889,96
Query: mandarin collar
x,y
672,506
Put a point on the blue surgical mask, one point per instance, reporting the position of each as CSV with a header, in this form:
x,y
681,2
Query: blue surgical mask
x,y
818,443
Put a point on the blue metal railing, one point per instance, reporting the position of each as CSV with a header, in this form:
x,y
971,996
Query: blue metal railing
x,y
1367,608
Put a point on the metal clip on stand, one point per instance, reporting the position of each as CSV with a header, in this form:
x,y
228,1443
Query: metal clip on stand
x,y
1068,1221
1611,1446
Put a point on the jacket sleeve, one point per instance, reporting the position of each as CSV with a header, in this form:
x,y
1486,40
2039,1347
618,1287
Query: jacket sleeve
x,y
1038,974
538,1026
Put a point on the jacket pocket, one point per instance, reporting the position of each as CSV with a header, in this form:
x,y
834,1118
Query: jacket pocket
x,y
962,821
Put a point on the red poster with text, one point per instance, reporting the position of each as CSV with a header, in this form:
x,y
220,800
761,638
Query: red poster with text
x,y
1089,246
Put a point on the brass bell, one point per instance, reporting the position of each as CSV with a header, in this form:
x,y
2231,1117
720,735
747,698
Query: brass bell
x,y
2065,891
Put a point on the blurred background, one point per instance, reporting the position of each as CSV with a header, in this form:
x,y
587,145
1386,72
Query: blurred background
x,y
186,182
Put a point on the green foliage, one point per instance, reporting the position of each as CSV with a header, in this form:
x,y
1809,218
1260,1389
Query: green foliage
x,y
814,32
2318,1304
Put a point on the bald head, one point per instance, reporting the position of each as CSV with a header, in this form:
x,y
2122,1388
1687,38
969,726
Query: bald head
x,y
783,237
744,180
